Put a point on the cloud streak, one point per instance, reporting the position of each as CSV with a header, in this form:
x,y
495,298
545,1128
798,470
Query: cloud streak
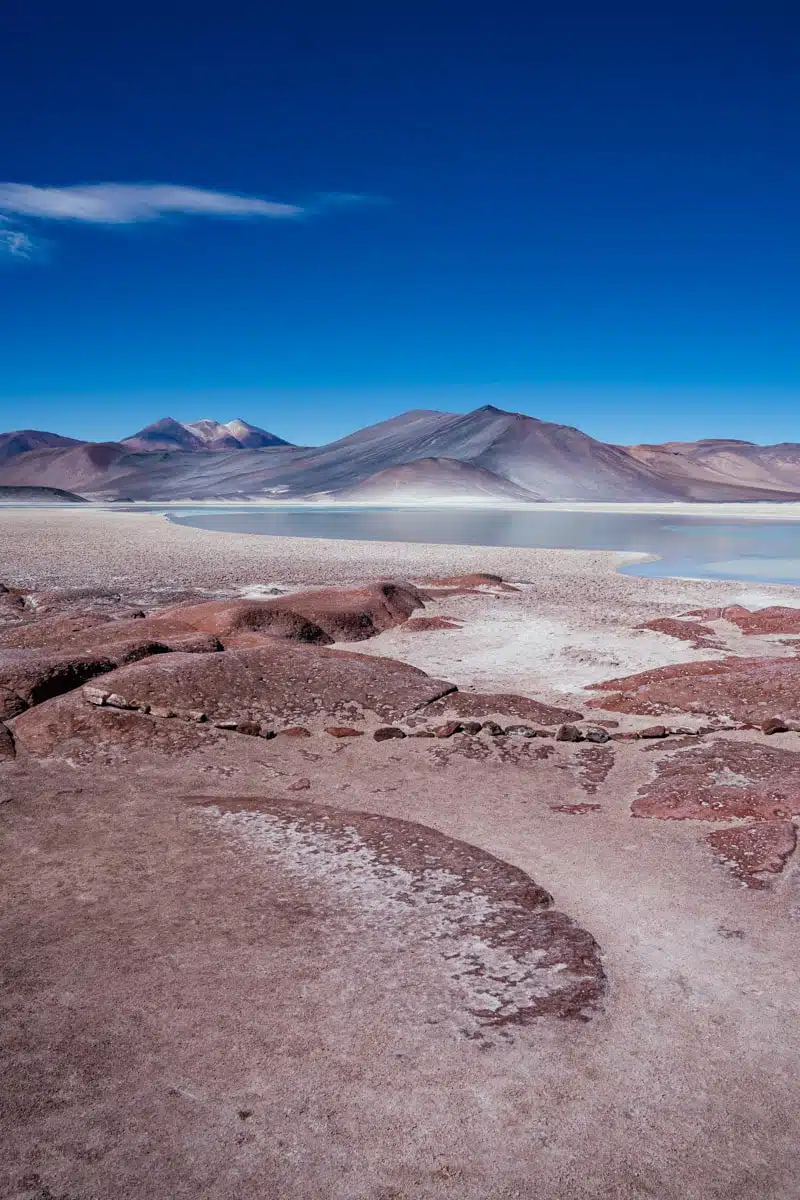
x,y
126,204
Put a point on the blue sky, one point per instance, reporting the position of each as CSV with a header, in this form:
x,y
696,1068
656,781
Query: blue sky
x,y
315,216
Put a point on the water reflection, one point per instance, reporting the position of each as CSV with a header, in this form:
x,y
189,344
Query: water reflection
x,y
764,550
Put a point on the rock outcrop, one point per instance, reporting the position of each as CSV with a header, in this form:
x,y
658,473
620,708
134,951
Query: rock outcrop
x,y
745,690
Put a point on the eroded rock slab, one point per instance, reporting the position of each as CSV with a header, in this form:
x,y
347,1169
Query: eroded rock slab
x,y
698,635
482,706
723,779
745,690
278,686
508,955
755,852
341,614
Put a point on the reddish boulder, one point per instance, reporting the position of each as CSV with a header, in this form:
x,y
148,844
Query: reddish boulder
x,y
753,851
720,780
448,729
387,733
30,676
743,689
456,585
281,683
244,624
344,614
67,726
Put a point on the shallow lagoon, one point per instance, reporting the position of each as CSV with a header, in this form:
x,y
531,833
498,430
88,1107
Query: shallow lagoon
x,y
761,550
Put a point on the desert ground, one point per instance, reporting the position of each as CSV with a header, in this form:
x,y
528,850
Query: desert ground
x,y
384,871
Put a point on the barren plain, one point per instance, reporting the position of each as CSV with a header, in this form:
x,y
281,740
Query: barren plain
x,y
378,871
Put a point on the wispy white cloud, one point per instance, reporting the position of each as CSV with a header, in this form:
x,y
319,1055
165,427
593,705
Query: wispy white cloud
x,y
14,242
125,204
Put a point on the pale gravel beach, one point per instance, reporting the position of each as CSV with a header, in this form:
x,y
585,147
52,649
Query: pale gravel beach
x,y
573,622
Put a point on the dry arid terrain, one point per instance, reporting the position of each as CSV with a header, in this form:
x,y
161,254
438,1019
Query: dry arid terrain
x,y
372,871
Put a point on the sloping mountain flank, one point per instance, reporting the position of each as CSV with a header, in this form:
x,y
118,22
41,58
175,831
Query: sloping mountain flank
x,y
435,479
727,462
38,495
487,452
20,441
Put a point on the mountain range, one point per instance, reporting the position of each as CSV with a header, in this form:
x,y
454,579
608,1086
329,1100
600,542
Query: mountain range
x,y
488,454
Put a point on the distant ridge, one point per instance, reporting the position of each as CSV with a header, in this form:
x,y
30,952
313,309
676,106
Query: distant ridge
x,y
487,454
169,434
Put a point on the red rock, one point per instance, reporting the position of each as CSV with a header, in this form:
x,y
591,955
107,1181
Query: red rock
x,y
480,705
577,810
652,731
243,624
343,731
774,725
454,585
742,689
448,729
776,619
31,676
386,733
471,727
568,733
344,614
429,624
67,726
94,633
550,966
752,851
7,748
723,779
698,635
300,785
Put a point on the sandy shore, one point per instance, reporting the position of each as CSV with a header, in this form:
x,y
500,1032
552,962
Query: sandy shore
x,y
574,621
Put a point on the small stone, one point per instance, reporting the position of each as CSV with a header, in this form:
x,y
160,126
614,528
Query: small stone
x,y
652,731
116,701
300,785
296,731
774,725
386,732
343,731
597,735
493,729
568,733
471,727
165,713
249,728
520,731
196,715
95,695
226,725
448,729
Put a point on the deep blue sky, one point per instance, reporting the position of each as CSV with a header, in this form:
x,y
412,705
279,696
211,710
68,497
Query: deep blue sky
x,y
587,212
